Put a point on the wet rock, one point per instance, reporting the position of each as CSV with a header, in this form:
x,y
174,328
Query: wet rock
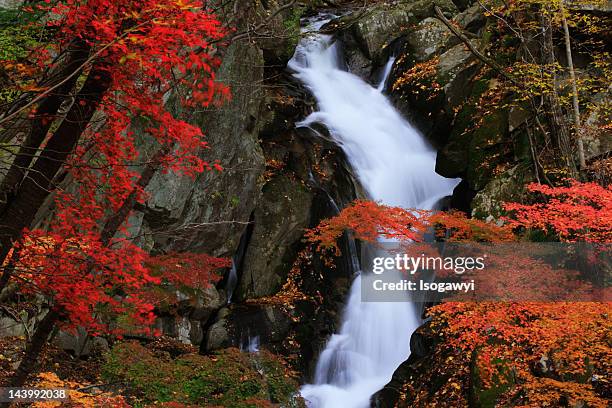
x,y
280,221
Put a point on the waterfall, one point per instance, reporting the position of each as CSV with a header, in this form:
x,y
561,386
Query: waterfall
x,y
396,166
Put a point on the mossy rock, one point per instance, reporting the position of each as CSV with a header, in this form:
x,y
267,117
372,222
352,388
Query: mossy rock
x,y
485,148
506,187
228,378
382,23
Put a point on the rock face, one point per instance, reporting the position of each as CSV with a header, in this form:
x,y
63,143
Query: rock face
x,y
429,38
367,34
307,179
435,83
279,221
192,207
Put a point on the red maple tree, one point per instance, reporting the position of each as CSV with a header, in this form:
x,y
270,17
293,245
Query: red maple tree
x,y
127,64
576,212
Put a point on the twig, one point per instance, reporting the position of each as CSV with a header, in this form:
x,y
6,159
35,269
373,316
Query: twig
x,y
75,72
468,43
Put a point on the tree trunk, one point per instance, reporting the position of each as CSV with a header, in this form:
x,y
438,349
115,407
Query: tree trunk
x,y
117,219
111,226
20,211
35,346
575,104
558,124
45,115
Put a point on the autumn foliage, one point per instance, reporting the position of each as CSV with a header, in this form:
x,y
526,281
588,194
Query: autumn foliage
x,y
149,63
577,212
528,354
370,221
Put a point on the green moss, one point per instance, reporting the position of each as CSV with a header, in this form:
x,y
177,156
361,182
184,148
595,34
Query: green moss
x,y
17,39
228,378
485,148
292,27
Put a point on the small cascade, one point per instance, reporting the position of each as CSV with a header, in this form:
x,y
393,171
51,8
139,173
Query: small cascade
x,y
385,75
232,281
253,346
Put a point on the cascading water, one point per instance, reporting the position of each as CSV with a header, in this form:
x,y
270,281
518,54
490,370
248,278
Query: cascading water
x,y
396,166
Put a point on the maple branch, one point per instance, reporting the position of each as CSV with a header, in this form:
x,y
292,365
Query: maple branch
x,y
116,220
75,72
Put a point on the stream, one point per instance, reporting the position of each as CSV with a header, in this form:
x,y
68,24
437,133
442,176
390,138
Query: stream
x,y
395,165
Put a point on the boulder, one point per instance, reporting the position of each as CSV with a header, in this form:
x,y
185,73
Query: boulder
x,y
208,301
382,23
506,187
378,26
280,221
472,19
20,324
456,68
79,343
217,335
10,327
429,38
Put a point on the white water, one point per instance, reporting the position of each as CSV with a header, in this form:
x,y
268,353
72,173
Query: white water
x,y
395,166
